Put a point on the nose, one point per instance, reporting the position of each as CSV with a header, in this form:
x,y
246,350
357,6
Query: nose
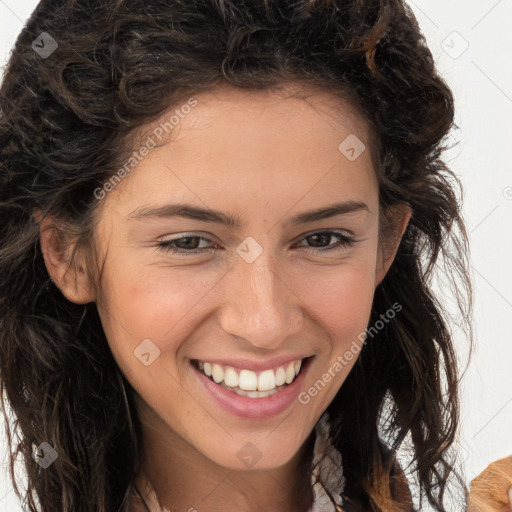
x,y
261,306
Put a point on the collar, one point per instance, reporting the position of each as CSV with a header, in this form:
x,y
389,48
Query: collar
x,y
327,471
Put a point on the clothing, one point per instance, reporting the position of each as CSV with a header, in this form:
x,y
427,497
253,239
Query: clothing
x,y
327,471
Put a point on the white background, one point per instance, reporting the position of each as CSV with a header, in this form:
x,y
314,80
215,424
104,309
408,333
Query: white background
x,y
481,79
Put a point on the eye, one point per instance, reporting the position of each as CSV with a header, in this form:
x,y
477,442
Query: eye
x,y
188,245
326,236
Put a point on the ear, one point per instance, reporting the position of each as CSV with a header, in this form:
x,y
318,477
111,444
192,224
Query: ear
x,y
395,223
65,262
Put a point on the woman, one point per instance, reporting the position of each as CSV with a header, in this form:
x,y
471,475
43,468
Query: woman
x,y
170,338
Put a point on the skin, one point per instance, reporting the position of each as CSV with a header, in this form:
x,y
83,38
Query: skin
x,y
264,158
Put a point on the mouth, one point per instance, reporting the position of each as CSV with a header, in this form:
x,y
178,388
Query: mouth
x,y
251,384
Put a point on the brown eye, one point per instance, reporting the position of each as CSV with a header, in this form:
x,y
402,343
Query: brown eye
x,y
184,245
320,242
324,237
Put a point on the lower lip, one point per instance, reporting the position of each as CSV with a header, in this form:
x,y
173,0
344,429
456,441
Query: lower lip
x,y
253,408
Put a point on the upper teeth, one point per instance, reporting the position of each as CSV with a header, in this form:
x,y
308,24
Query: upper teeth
x,y
249,380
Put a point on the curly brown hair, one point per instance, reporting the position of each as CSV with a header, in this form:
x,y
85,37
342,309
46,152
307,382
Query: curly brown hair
x,y
65,128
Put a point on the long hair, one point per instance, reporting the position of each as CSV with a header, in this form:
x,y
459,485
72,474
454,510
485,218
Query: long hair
x,y
82,78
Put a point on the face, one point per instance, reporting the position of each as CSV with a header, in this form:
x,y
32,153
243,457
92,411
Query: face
x,y
184,289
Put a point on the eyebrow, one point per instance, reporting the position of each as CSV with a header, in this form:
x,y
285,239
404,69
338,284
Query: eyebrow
x,y
209,215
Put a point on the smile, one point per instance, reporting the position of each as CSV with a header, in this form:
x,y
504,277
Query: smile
x,y
248,383
271,391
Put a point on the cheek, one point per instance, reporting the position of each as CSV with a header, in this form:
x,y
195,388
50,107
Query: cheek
x,y
155,304
148,303
342,297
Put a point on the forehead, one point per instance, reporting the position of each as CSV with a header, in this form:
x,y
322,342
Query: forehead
x,y
232,109
287,124
229,142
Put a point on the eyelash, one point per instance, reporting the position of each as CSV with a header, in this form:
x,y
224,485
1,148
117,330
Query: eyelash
x,y
345,241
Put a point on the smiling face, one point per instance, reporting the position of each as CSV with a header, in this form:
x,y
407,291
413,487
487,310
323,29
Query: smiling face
x,y
259,283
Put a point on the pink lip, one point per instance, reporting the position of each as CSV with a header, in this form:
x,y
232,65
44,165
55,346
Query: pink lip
x,y
256,366
254,408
